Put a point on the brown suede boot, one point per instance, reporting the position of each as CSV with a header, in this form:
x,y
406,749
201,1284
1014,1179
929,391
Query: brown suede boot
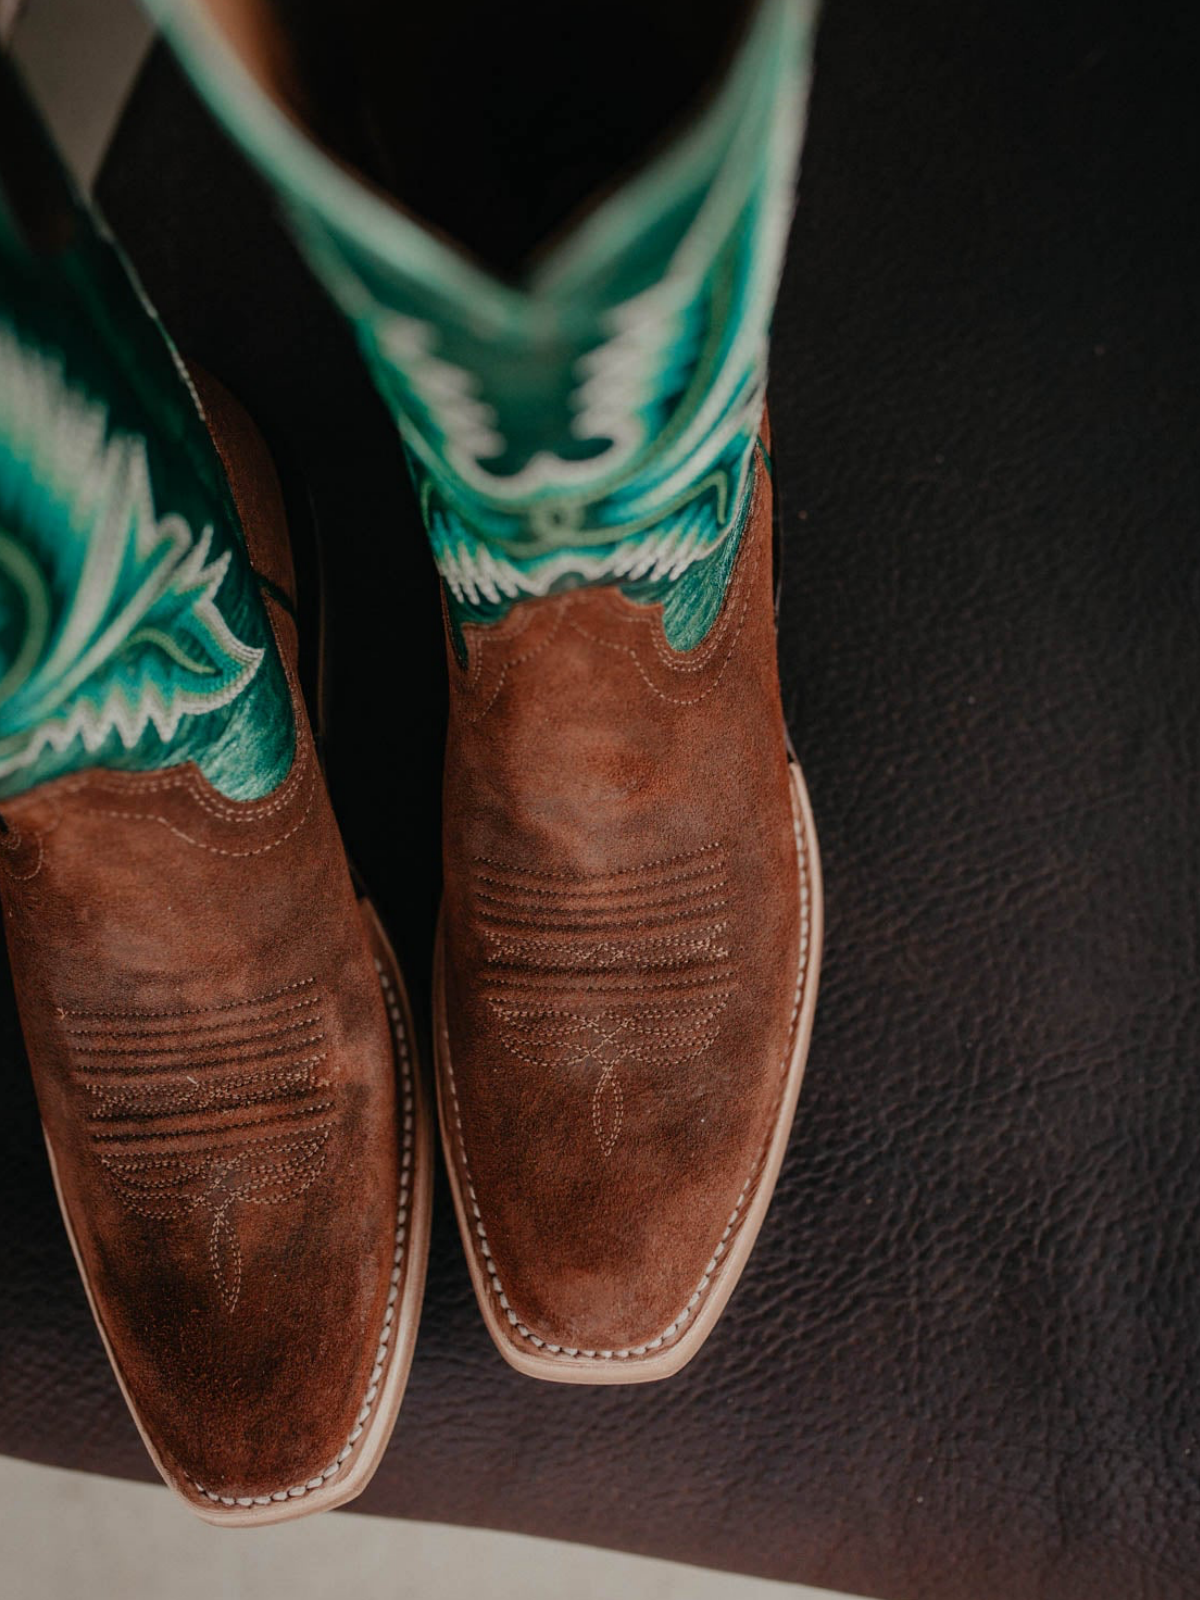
x,y
628,966
226,1068
574,351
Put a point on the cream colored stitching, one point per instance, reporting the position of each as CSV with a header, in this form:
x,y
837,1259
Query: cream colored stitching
x,y
591,923
672,699
208,800
395,1016
619,872
195,1030
222,1229
672,1329
633,986
595,1026
139,1072
225,1127
597,960
290,1170
297,1137
130,1175
702,1020
487,637
192,1011
202,1167
248,811
533,1019
598,954
630,910
12,843
698,659
608,1080
191,1046
629,897
516,661
213,849
196,785
676,699
174,1097
124,1166
612,902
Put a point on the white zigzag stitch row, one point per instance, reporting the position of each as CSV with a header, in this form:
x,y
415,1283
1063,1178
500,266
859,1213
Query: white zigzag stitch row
x,y
476,574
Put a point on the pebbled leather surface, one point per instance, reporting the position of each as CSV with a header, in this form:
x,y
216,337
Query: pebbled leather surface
x,y
963,1362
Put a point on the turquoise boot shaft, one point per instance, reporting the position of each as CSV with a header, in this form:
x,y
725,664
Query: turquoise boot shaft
x,y
594,421
132,632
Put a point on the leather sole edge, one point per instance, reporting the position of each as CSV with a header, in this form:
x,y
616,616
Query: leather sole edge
x,y
666,1362
377,1434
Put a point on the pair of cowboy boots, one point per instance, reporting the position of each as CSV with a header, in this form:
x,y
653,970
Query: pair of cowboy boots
x,y
625,977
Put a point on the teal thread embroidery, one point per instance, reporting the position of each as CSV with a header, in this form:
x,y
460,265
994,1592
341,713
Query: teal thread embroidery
x,y
132,631
111,610
109,623
597,423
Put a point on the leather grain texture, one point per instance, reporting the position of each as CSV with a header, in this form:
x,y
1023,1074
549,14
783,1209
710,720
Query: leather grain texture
x,y
964,1361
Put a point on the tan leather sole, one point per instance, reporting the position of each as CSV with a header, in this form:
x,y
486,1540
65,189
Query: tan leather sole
x,y
348,1477
676,1346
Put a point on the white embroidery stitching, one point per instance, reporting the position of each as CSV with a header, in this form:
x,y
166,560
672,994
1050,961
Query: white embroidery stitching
x,y
673,1328
396,1018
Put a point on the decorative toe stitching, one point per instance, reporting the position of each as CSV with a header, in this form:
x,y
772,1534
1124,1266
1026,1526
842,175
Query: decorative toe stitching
x,y
673,1329
396,1019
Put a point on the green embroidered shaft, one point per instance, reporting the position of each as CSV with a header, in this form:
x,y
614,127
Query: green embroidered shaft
x,y
595,423
132,633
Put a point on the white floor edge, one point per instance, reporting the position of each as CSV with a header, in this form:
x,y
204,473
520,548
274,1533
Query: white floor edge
x,y
64,1535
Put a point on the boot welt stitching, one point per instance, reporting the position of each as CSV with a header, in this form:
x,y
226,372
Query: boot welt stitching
x,y
673,1328
396,1020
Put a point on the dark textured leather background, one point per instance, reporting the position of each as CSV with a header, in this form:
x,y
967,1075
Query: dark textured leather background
x,y
964,1363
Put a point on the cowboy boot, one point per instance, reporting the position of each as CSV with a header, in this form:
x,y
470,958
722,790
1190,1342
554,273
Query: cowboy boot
x,y
217,1029
631,929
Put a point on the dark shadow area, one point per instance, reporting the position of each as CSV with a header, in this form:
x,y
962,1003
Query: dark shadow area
x,y
496,123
